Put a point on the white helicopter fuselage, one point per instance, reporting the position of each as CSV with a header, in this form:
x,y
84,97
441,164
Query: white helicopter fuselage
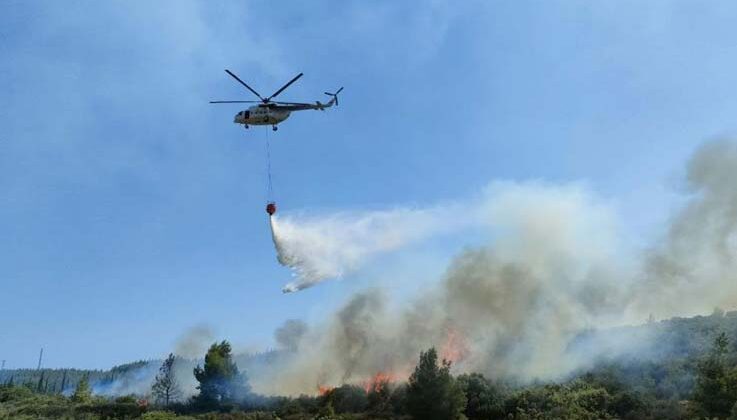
x,y
260,115
269,112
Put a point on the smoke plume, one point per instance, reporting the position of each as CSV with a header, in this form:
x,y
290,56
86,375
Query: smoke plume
x,y
194,342
320,248
556,266
694,267
289,335
552,270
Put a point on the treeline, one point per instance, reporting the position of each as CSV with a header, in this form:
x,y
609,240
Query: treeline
x,y
681,368
112,381
431,392
60,381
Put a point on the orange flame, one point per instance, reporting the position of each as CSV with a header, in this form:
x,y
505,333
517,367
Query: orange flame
x,y
377,382
323,389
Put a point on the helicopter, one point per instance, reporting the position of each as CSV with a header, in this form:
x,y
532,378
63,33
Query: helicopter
x,y
269,112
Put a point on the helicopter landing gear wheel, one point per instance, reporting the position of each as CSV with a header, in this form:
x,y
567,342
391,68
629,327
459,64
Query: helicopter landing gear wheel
x,y
245,126
274,128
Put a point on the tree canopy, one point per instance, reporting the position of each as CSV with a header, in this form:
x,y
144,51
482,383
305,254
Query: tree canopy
x,y
82,393
432,392
166,388
220,381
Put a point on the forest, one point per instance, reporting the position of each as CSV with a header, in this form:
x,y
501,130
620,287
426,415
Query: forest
x,y
685,369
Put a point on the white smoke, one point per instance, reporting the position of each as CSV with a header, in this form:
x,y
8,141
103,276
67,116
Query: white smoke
x,y
555,266
694,267
328,247
324,247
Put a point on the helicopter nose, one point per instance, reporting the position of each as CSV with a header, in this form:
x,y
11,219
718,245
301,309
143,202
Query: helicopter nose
x,y
237,118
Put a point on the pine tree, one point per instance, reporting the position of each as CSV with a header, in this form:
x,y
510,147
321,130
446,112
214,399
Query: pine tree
x,y
83,393
433,393
714,392
220,381
165,387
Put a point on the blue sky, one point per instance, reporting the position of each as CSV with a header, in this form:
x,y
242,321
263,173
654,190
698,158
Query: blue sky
x,y
132,210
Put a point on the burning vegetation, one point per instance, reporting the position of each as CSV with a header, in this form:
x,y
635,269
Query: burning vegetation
x,y
379,381
323,390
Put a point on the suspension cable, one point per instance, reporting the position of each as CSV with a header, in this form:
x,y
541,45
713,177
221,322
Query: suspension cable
x,y
270,189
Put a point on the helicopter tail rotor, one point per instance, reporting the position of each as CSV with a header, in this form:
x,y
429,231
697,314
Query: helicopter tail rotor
x,y
334,99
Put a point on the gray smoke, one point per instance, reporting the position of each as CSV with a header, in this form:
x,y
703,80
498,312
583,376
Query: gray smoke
x,y
555,267
694,267
138,381
289,335
194,342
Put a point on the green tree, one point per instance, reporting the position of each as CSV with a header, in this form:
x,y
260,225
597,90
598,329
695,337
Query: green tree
x,y
346,399
484,400
326,412
715,387
432,392
380,398
166,388
82,393
220,381
575,400
159,415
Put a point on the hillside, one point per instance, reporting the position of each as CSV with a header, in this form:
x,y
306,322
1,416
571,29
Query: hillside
x,y
647,371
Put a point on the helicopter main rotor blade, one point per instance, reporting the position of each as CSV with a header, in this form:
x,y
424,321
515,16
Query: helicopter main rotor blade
x,y
292,103
234,102
244,84
284,87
